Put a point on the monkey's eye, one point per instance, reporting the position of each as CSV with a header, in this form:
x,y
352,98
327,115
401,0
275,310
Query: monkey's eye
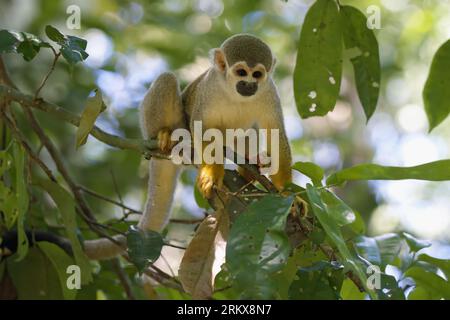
x,y
257,74
241,72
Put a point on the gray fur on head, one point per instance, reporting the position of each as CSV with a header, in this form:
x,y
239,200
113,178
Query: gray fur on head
x,y
248,48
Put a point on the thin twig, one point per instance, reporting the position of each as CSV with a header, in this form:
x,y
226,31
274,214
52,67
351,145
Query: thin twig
x,y
168,265
55,59
116,188
86,213
21,139
102,197
174,246
123,278
186,221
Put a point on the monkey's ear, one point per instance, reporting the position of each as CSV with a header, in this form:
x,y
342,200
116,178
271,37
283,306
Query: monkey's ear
x,y
272,67
218,59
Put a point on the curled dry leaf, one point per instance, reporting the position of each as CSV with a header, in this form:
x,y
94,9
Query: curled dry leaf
x,y
204,256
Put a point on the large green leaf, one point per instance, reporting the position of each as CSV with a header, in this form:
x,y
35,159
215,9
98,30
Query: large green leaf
x,y
330,224
258,245
317,74
380,250
8,198
436,95
430,282
94,106
144,247
317,282
66,206
349,291
60,261
366,65
433,171
442,264
34,277
22,200
311,170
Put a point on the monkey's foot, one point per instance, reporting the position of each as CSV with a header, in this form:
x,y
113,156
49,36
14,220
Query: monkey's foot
x,y
210,175
164,142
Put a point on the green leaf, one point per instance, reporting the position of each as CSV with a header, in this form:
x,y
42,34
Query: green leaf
x,y
73,49
390,289
54,34
315,282
144,247
366,65
22,200
414,243
8,198
258,246
60,261
338,209
24,43
330,224
28,50
419,293
66,206
8,41
349,291
436,95
94,106
317,74
442,264
311,170
429,281
34,277
381,250
432,171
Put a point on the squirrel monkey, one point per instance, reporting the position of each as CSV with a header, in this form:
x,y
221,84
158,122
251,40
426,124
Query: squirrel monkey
x,y
236,92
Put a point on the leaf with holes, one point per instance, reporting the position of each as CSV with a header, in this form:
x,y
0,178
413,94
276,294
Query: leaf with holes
x,y
317,74
258,245
144,247
366,64
204,256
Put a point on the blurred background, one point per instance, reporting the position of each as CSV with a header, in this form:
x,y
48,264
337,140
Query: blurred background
x,y
131,42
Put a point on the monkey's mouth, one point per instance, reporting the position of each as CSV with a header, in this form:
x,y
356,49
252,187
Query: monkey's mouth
x,y
246,89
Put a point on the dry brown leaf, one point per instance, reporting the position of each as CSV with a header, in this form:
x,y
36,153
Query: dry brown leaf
x,y
204,256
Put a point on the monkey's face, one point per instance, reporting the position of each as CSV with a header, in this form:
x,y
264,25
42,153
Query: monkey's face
x,y
245,80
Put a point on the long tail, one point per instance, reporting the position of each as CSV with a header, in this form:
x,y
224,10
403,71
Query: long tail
x,y
162,182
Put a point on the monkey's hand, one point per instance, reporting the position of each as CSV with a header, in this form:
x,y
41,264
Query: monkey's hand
x,y
164,141
210,175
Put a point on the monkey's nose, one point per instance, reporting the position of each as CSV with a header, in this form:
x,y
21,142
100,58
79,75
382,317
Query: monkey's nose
x,y
246,88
